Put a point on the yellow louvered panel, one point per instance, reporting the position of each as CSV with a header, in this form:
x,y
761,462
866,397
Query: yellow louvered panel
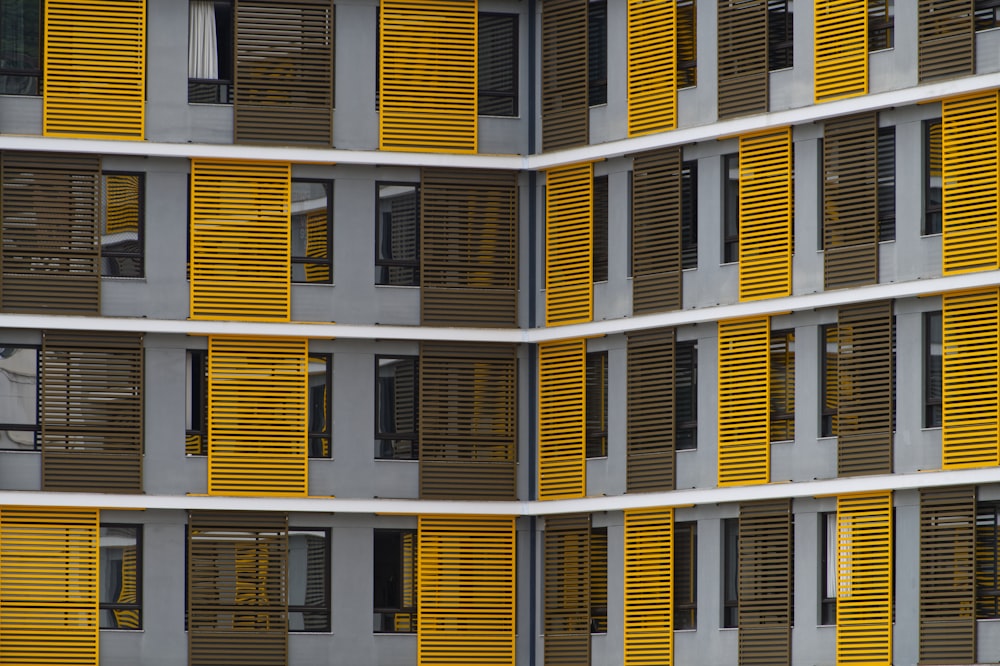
x,y
744,394
569,245
48,586
969,146
649,587
652,66
428,62
970,363
257,395
95,69
766,215
562,470
465,612
864,579
240,240
841,49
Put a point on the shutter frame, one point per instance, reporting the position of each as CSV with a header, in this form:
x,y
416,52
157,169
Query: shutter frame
x,y
743,76
766,569
656,231
564,86
651,398
562,462
946,39
566,619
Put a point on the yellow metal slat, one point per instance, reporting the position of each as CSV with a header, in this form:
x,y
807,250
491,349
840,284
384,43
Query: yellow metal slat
x,y
652,66
649,587
840,48
744,396
569,245
562,471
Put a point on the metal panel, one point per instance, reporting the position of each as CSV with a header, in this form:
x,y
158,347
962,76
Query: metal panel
x,y
765,585
649,587
466,596
567,590
50,258
744,397
946,39
91,411
569,245
742,53
240,210
562,463
468,247
427,87
652,66
565,105
257,404
95,68
651,409
840,48
468,421
283,90
656,231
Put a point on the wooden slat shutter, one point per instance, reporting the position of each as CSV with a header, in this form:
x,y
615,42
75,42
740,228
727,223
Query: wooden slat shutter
x,y
649,587
468,421
428,64
656,231
49,586
565,105
567,590
50,231
765,583
283,90
237,591
840,49
468,247
744,397
562,462
948,575
652,66
95,68
466,590
742,53
946,39
850,201
651,426
91,409
569,245
865,380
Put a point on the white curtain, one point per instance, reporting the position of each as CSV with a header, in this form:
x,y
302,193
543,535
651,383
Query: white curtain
x,y
203,47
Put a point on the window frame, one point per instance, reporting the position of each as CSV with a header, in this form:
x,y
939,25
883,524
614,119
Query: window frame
x,y
596,439
828,426
414,436
328,433
780,41
597,67
35,75
598,612
119,606
327,184
392,610
730,209
327,606
932,416
139,256
933,213
600,224
512,95
401,263
987,541
687,349
687,70
686,609
730,586
827,611
196,399
986,15
22,427
881,25
786,418
885,148
225,88
689,214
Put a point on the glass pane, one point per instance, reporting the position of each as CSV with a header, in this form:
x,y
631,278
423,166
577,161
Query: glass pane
x,y
396,408
20,23
597,55
932,171
307,580
396,254
119,576
686,387
121,225
597,404
394,585
18,396
320,417
497,64
310,232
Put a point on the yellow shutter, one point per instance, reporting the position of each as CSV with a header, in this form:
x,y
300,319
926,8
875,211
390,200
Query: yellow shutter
x,y
240,240
744,394
94,68
466,574
766,215
969,147
864,579
428,63
562,470
649,587
652,66
970,363
49,586
569,245
257,394
840,49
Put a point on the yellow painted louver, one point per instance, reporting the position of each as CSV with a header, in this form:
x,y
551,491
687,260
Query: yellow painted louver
x,y
49,586
969,147
569,245
744,397
95,69
766,215
864,579
428,64
562,470
649,587
652,66
970,363
240,240
257,398
465,612
840,42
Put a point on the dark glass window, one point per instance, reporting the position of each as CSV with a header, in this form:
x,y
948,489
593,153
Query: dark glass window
x,y
397,250
597,52
498,64
312,231
886,183
779,34
19,398
395,581
782,388
600,222
320,405
987,14
932,176
987,560
689,214
687,43
308,579
828,568
686,575
20,47
196,406
731,208
121,576
210,51
597,404
599,580
396,407
730,572
686,394
932,369
829,400
123,210
881,24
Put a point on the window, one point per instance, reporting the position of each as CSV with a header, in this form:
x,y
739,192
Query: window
x,y
881,20
19,398
395,581
828,568
396,407
686,575
121,579
689,214
312,231
886,151
782,389
308,579
123,209
779,34
600,228
932,177
686,395
397,254
687,43
730,572
597,52
829,400
210,51
987,14
731,208
987,560
320,405
20,47
932,369
599,580
597,404
196,405
498,64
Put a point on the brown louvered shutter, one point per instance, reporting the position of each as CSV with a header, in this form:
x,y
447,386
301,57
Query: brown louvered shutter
x,y
742,53
947,575
565,105
946,39
91,407
865,394
765,587
468,247
50,261
651,427
567,590
468,421
284,72
656,231
236,588
850,201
